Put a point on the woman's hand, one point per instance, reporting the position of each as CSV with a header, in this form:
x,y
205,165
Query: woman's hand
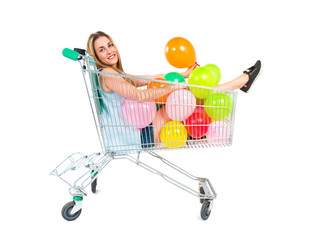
x,y
189,70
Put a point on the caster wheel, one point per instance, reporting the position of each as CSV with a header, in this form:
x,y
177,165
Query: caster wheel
x,y
206,209
201,190
94,186
66,212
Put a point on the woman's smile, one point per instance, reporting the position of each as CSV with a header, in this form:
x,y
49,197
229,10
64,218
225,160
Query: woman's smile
x,y
111,57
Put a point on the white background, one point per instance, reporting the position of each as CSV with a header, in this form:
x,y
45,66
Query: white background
x,y
266,182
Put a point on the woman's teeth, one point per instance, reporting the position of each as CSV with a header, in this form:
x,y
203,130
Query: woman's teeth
x,y
111,57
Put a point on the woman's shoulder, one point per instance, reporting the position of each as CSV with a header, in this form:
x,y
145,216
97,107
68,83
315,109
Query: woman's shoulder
x,y
109,70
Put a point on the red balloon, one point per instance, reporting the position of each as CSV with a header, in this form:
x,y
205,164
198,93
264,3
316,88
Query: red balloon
x,y
197,124
201,109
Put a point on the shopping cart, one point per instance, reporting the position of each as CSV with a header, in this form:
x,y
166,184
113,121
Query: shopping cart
x,y
190,117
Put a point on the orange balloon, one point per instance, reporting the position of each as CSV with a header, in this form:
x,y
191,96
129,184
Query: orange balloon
x,y
180,53
156,85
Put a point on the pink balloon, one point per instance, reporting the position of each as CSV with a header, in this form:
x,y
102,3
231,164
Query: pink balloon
x,y
180,104
138,114
219,132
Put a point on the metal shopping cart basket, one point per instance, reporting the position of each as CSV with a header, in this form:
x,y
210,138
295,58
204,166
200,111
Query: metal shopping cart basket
x,y
184,116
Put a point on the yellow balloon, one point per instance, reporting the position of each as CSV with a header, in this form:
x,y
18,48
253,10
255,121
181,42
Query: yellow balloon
x,y
173,134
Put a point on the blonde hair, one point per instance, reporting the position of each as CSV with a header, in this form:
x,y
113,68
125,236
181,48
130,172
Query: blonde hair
x,y
92,52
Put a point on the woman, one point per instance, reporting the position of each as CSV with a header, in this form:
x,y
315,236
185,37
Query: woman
x,y
103,49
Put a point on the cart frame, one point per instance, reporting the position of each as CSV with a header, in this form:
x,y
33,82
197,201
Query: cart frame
x,y
86,168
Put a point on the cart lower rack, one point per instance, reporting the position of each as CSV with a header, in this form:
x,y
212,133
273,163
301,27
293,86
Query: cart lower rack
x,y
158,115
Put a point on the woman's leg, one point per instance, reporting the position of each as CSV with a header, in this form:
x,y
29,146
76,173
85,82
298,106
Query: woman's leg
x,y
240,82
236,83
245,80
159,121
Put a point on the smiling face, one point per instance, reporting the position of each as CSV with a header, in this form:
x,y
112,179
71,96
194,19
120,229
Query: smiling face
x,y
106,51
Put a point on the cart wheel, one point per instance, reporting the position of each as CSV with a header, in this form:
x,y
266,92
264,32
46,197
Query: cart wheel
x,y
94,186
206,209
201,190
66,212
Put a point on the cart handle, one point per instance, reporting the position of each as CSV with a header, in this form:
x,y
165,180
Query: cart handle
x,y
71,54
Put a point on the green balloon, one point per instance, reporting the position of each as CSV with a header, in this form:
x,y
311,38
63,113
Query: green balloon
x,y
174,77
201,76
218,106
215,72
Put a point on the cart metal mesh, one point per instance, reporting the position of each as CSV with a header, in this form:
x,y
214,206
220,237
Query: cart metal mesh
x,y
174,118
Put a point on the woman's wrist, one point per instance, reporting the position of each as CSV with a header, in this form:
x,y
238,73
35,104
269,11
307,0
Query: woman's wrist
x,y
184,74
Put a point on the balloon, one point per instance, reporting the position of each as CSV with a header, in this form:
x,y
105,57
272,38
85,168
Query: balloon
x,y
138,114
201,110
180,53
218,132
197,124
173,134
174,77
214,69
218,106
180,104
201,76
156,85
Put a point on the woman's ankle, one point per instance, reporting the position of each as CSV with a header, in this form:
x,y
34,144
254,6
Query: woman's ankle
x,y
245,79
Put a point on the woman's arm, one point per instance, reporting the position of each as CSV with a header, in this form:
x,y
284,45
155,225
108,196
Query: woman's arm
x,y
127,90
140,82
